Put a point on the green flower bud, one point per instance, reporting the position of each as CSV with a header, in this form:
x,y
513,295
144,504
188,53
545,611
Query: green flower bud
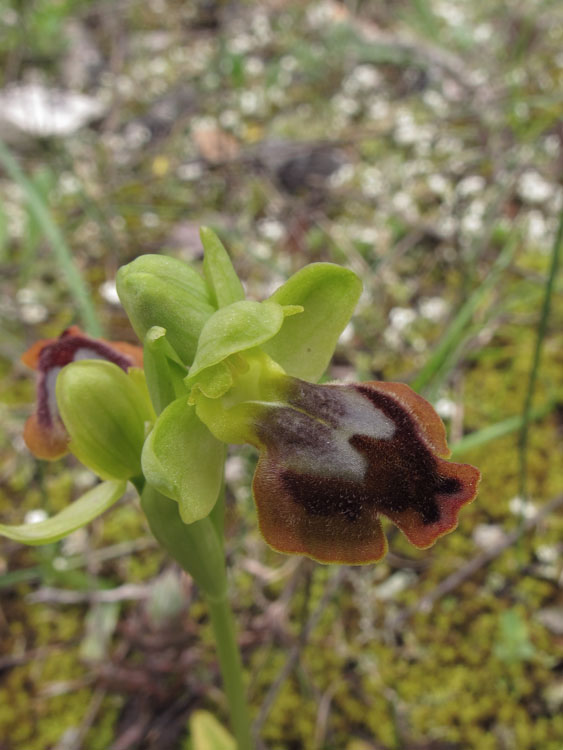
x,y
105,411
160,291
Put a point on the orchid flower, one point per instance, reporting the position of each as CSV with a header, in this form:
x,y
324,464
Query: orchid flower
x,y
44,433
334,459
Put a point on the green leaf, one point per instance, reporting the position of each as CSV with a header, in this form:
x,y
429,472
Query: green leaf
x,y
328,294
183,461
221,277
208,734
164,370
73,517
159,291
236,328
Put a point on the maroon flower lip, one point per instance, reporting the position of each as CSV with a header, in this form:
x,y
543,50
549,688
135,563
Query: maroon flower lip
x,y
44,432
336,458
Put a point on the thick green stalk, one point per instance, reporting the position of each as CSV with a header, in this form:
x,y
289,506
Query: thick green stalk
x,y
198,548
231,669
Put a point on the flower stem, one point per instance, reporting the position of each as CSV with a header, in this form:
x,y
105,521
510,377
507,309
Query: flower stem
x,y
231,669
199,550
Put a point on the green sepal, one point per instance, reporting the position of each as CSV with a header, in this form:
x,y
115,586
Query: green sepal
x,y
163,368
328,294
237,328
159,291
196,547
79,513
105,412
184,461
224,285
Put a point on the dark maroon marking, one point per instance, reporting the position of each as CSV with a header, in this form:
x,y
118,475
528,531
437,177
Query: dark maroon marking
x,y
402,473
62,352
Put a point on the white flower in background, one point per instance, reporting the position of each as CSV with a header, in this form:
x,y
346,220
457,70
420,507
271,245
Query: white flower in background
x,y
471,185
532,187
401,317
433,308
35,516
39,111
446,408
108,291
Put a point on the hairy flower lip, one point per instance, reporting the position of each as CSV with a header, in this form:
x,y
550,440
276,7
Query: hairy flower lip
x,y
322,485
44,432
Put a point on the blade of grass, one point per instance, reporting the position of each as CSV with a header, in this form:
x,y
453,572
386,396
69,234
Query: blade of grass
x,y
534,370
455,332
495,431
56,240
424,17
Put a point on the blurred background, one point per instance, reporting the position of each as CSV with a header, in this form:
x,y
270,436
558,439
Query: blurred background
x,y
418,142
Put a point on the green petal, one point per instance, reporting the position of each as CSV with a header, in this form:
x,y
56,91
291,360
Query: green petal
x,y
328,294
164,370
73,517
236,328
183,461
224,284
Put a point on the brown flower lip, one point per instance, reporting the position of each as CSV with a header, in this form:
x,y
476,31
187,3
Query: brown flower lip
x,y
336,458
44,432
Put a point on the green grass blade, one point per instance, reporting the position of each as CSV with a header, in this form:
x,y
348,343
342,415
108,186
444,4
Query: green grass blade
x,y
495,431
454,335
534,370
56,240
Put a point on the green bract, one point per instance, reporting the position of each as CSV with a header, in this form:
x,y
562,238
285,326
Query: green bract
x,y
164,370
224,284
105,412
77,514
183,461
160,291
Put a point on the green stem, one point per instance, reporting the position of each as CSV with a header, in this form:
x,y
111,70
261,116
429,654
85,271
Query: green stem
x,y
231,669
534,370
198,548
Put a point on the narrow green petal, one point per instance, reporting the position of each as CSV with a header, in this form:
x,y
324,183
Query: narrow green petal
x,y
74,516
183,461
236,328
224,284
305,344
164,370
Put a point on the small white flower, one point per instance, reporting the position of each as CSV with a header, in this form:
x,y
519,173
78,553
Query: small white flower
x,y
471,185
35,516
433,308
521,507
532,187
446,408
108,291
401,317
